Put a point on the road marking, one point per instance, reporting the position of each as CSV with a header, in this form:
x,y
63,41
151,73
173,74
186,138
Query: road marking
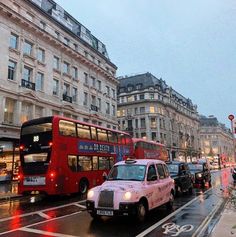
x,y
78,205
44,215
37,212
175,230
206,221
38,223
44,233
151,228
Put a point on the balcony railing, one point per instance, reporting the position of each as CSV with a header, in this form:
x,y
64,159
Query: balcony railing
x,y
28,84
67,98
94,108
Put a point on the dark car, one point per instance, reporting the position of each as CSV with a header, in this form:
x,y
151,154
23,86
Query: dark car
x,y
201,172
179,171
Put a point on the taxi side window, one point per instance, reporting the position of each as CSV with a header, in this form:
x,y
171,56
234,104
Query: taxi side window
x,y
160,171
167,173
152,174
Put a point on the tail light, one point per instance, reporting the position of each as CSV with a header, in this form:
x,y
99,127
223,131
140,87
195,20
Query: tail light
x,y
50,144
52,174
21,147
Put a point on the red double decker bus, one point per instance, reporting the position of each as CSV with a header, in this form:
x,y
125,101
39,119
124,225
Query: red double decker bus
x,y
62,156
144,149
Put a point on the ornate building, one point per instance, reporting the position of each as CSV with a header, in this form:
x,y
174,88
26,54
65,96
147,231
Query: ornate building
x,y
216,140
149,108
50,64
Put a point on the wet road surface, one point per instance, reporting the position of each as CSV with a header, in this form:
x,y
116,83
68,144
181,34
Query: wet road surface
x,y
191,216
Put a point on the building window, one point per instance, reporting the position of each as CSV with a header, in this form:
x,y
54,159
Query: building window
x,y
153,123
76,47
135,97
11,70
152,109
66,89
143,123
86,78
56,63
99,85
28,48
93,100
93,82
85,98
141,96
57,34
42,25
74,73
113,93
135,110
74,94
66,41
129,98
41,55
26,112
142,110
55,90
9,110
66,67
99,104
38,112
108,90
136,123
151,96
113,110
27,73
39,81
14,41
107,108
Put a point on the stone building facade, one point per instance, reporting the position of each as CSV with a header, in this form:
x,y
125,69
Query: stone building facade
x,y
149,108
217,141
50,64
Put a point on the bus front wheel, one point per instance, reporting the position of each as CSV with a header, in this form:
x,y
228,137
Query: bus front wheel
x,y
83,186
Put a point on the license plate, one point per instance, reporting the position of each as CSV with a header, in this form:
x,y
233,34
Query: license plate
x,y
104,213
34,180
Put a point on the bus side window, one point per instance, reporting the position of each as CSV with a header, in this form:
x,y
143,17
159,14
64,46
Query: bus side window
x,y
93,133
67,128
95,163
85,162
72,162
103,163
111,161
112,136
102,135
83,131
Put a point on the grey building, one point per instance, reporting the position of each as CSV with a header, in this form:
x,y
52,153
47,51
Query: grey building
x,y
50,64
216,140
149,108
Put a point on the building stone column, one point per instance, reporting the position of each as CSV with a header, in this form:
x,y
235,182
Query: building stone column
x,y
2,111
17,118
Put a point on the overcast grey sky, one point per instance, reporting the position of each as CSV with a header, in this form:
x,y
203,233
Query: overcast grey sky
x,y
190,44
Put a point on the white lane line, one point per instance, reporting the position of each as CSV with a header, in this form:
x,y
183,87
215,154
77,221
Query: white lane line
x,y
151,228
38,223
44,233
44,215
36,212
206,221
78,205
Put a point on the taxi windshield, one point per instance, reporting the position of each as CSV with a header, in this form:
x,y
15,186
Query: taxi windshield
x,y
197,167
127,172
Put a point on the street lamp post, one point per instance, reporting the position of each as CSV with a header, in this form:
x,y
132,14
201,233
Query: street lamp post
x,y
231,118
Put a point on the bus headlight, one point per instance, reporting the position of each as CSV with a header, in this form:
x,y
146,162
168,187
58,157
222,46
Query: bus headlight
x,y
90,194
127,196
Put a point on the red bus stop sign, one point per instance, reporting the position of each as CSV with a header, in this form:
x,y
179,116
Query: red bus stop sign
x,y
231,117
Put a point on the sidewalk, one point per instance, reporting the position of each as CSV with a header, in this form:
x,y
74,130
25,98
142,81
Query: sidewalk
x,y
226,226
8,190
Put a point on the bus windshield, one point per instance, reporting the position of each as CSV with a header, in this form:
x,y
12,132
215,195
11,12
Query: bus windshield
x,y
36,128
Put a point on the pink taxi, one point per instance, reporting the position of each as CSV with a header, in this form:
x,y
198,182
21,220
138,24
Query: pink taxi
x,y
132,188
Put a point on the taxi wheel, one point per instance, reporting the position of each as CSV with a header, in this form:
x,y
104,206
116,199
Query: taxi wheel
x,y
141,211
169,205
95,216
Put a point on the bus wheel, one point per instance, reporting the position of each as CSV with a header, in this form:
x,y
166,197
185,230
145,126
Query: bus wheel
x,y
83,186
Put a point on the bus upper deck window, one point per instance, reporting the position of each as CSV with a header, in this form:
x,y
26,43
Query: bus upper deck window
x,y
67,128
83,131
102,135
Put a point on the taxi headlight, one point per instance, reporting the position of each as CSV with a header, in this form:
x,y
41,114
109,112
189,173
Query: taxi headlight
x,y
90,194
199,175
127,196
